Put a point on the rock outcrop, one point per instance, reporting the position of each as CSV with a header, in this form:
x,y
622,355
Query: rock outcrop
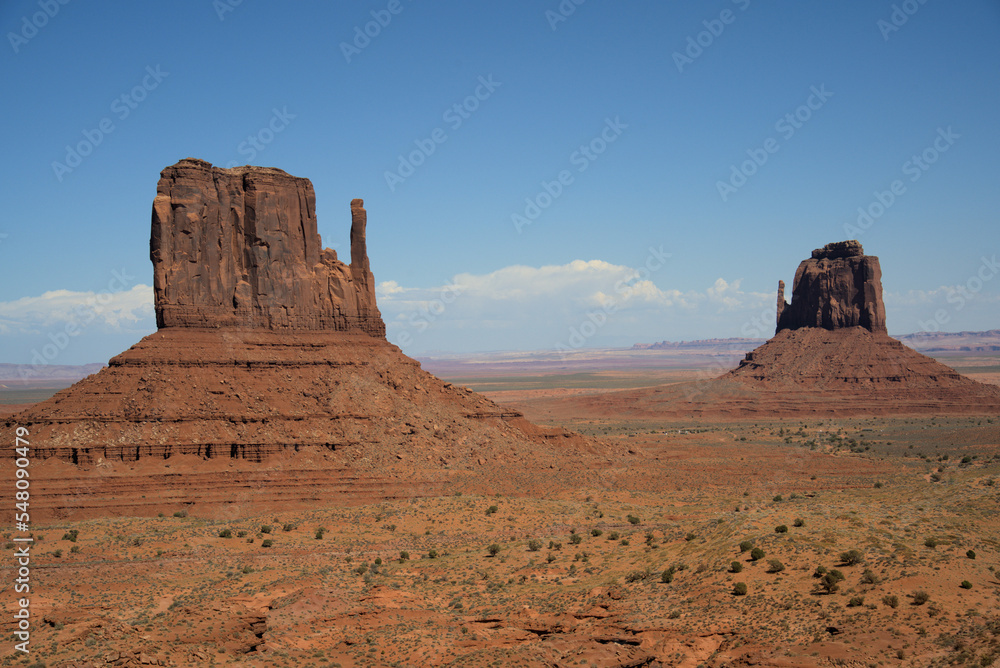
x,y
267,346
240,248
838,287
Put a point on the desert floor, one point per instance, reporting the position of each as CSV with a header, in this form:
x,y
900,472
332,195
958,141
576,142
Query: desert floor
x,y
636,563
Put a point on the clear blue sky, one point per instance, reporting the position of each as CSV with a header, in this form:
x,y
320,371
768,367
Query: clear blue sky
x,y
199,81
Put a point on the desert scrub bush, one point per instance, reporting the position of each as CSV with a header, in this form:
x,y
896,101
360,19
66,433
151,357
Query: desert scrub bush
x,y
830,582
667,576
781,528
241,534
267,543
432,554
746,545
575,538
633,519
288,526
920,597
319,533
868,577
595,532
778,497
735,567
851,557
819,572
775,566
75,549
181,513
267,528
493,549
225,533
613,535
971,554
378,561
361,569
404,555
71,535
965,584
690,536
799,522
756,554
534,545
624,541
550,558
930,542
740,589
891,600
491,510
554,545
639,576
856,602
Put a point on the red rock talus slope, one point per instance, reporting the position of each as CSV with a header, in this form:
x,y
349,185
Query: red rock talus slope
x,y
267,346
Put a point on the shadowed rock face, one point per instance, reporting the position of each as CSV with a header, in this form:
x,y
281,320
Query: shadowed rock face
x,y
239,248
838,287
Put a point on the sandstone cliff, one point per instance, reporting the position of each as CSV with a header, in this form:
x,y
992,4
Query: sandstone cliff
x,y
838,287
240,248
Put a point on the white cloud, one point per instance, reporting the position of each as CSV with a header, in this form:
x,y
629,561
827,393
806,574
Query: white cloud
x,y
56,308
532,306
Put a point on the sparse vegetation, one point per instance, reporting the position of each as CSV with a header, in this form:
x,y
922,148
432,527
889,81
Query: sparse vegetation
x,y
633,519
493,549
851,557
740,589
756,554
735,567
920,597
781,528
775,566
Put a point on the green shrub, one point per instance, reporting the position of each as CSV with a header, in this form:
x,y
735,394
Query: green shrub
x,y
856,602
267,528
746,545
267,543
404,555
319,533
668,575
575,538
288,526
225,533
633,519
971,554
554,545
966,584
550,558
778,497
851,557
775,566
781,528
181,513
534,545
891,600
799,522
920,597
493,549
432,554
595,532
491,510
613,535
819,572
756,554
868,577
735,567
241,534
740,589
931,542
71,535
690,537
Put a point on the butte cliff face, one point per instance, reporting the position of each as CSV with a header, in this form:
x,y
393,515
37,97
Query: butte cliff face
x,y
838,287
239,248
267,346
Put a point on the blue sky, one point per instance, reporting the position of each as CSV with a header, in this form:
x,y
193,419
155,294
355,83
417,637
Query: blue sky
x,y
622,122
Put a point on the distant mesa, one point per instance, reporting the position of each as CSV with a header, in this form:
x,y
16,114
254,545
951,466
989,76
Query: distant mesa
x,y
838,287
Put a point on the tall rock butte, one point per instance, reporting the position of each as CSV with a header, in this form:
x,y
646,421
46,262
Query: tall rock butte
x,y
267,346
838,287
240,248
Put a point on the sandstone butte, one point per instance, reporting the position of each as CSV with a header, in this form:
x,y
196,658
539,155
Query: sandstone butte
x,y
267,344
830,356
